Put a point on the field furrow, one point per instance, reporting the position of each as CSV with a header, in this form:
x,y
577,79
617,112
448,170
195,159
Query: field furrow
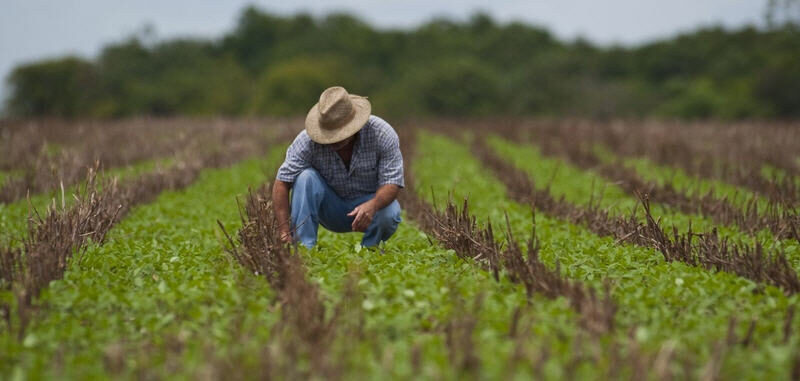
x,y
658,300
14,215
416,307
159,290
192,283
456,229
416,294
55,235
734,154
705,249
307,196
424,312
723,203
48,154
587,188
301,341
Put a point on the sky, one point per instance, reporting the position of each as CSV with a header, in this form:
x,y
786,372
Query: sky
x,y
34,29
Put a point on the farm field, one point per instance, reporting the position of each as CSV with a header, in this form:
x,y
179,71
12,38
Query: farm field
x,y
546,249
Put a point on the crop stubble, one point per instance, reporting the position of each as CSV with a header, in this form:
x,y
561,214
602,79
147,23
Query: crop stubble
x,y
466,178
455,228
49,154
736,152
700,249
572,142
306,327
62,232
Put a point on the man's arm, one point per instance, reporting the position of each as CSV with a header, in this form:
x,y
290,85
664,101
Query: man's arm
x,y
365,212
280,202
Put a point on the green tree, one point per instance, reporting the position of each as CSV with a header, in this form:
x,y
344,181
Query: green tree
x,y
293,86
271,64
458,87
63,87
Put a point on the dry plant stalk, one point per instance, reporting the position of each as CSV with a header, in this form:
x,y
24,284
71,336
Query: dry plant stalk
x,y
51,153
458,337
782,220
732,152
722,155
62,232
710,251
596,313
705,250
458,230
574,144
304,330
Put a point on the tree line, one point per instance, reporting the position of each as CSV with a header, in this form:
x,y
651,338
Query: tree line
x,y
274,65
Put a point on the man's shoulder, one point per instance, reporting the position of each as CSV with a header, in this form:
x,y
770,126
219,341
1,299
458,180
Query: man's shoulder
x,y
378,124
381,128
302,139
301,145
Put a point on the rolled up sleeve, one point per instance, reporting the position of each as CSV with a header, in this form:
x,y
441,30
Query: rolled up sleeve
x,y
298,158
390,166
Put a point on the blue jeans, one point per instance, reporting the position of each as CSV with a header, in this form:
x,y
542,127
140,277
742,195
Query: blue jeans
x,y
315,203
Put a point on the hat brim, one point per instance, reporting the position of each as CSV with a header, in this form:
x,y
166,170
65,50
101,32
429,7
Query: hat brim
x,y
363,109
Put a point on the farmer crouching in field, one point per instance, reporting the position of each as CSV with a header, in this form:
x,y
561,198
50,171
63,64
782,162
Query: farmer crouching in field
x,y
345,170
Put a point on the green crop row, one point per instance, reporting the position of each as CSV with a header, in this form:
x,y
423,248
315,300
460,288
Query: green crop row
x,y
414,289
770,172
161,299
161,277
679,178
14,216
581,187
662,302
162,281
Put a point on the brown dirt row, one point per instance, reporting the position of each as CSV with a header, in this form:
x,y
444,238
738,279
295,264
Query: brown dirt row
x,y
51,153
456,229
63,232
263,255
120,142
706,250
731,152
305,329
734,153
781,219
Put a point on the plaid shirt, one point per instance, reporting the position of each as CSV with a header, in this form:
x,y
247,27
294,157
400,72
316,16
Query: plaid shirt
x,y
376,161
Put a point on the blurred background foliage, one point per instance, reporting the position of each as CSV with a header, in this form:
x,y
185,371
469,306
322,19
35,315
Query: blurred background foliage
x,y
273,65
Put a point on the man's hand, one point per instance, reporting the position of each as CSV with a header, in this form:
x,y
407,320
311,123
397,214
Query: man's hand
x,y
363,215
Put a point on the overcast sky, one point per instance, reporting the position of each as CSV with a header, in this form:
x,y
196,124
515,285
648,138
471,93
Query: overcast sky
x,y
35,29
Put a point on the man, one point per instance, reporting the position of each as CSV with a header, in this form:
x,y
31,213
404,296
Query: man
x,y
345,170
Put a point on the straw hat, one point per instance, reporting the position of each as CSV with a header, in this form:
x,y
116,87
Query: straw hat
x,y
337,116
